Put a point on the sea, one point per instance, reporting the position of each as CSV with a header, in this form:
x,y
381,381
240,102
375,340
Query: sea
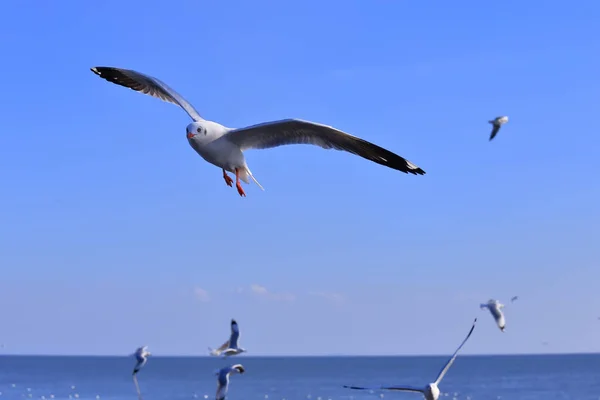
x,y
530,377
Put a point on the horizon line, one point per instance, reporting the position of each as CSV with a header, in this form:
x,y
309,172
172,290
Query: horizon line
x,y
305,355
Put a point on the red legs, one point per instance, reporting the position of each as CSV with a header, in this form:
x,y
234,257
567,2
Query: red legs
x,y
228,180
238,185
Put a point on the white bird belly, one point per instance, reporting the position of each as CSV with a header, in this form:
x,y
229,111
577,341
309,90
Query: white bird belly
x,y
223,154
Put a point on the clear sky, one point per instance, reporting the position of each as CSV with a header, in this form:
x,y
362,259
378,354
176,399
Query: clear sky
x,y
114,233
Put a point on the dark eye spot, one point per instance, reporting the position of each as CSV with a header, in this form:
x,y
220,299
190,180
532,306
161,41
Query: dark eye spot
x,y
199,130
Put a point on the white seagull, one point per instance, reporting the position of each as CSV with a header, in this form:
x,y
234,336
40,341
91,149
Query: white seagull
x,y
224,147
231,346
141,356
497,123
495,308
223,379
431,391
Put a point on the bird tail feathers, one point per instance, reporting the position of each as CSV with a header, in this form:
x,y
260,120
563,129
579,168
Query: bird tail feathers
x,y
248,173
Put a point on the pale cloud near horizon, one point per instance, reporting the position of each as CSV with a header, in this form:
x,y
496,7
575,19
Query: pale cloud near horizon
x,y
263,292
336,298
201,294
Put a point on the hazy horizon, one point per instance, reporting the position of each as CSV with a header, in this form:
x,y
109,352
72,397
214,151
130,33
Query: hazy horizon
x,y
304,355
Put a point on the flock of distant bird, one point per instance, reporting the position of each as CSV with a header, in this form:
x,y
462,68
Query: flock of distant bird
x,y
231,347
224,147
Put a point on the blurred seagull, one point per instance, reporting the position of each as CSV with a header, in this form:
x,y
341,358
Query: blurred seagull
x,y
231,346
495,308
141,355
431,391
514,298
497,123
224,147
223,379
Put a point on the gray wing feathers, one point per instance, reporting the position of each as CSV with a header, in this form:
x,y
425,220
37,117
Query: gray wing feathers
x,y
235,334
495,130
146,84
403,388
294,131
223,346
451,361
398,388
221,391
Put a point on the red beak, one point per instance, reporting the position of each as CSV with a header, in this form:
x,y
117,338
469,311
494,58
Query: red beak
x,y
190,135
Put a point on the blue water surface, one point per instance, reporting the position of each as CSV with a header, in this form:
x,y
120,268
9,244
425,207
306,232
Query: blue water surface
x,y
547,377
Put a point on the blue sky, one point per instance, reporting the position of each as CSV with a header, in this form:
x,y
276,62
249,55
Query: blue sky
x,y
115,233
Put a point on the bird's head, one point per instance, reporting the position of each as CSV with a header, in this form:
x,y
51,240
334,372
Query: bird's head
x,y
144,351
195,130
239,368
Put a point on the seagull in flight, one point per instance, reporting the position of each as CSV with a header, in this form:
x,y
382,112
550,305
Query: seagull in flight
x,y
224,147
497,124
223,379
431,391
514,298
141,356
495,308
231,346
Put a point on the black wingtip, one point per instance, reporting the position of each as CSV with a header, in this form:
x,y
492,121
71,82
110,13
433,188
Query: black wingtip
x,y
233,321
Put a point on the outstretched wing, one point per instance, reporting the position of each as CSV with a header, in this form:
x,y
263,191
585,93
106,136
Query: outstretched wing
x,y
295,131
451,361
398,388
139,365
495,130
235,335
147,85
498,317
218,351
221,390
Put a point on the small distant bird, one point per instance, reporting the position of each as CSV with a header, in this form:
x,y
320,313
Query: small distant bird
x,y
514,298
431,391
497,123
230,347
141,356
223,379
224,147
495,308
